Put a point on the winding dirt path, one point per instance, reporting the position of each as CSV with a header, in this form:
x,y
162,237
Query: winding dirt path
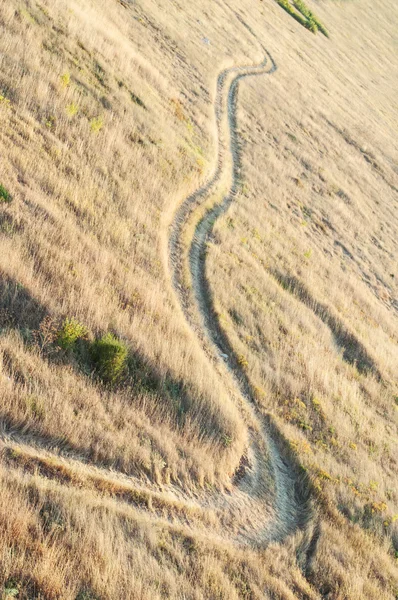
x,y
271,471
269,499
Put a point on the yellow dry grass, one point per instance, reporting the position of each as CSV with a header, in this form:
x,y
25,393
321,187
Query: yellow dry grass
x,y
106,124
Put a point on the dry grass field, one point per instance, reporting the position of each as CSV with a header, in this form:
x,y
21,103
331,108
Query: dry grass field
x,y
221,431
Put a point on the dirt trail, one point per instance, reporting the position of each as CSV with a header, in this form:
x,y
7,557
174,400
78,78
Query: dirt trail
x,y
272,471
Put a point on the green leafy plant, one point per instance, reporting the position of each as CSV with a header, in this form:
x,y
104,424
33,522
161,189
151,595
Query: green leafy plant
x,y
71,330
109,355
4,194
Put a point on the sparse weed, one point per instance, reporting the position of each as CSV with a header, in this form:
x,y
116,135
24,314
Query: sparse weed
x,y
4,101
96,124
65,79
86,594
35,406
45,336
50,122
72,109
51,517
242,361
226,440
137,100
11,589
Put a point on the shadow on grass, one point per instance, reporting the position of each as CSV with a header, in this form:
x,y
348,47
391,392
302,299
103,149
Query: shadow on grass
x,y
21,312
353,351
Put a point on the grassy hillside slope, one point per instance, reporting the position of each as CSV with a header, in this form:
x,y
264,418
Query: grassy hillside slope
x,y
121,438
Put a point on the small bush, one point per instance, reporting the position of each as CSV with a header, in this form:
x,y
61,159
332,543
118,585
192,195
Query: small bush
x,y
110,357
4,194
70,331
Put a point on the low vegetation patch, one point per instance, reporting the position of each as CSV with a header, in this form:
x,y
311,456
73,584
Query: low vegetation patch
x,y
301,13
4,194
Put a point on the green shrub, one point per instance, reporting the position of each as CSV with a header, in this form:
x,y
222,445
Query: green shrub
x,y
4,195
109,355
70,331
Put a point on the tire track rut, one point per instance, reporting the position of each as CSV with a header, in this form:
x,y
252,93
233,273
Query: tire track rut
x,y
292,511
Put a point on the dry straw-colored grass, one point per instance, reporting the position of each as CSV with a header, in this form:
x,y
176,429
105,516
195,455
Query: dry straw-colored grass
x,y
106,123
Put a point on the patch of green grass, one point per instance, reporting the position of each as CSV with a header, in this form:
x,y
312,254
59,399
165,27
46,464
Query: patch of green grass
x,y
303,15
109,355
4,194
